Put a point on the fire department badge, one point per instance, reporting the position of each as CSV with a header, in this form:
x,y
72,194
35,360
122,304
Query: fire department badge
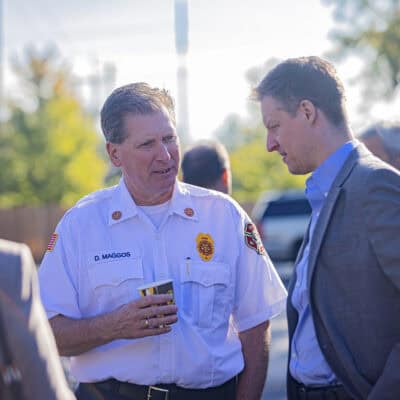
x,y
52,242
205,246
252,238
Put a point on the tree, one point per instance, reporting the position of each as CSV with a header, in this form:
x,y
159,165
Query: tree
x,y
254,170
370,29
49,148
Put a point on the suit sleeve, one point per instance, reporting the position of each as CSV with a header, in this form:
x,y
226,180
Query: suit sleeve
x,y
382,207
29,335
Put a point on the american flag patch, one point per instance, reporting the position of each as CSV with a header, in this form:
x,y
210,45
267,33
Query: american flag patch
x,y
52,242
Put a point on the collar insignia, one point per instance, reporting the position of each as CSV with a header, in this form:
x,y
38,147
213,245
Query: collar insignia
x,y
116,215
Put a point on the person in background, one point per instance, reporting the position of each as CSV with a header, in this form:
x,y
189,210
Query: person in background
x,y
212,344
206,164
344,297
30,366
383,140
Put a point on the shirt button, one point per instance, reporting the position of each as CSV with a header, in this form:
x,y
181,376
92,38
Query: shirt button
x,y
294,356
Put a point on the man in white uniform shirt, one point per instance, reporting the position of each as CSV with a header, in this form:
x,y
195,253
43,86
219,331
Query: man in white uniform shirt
x,y
213,342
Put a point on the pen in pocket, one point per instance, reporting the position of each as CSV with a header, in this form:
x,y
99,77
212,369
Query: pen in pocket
x,y
188,259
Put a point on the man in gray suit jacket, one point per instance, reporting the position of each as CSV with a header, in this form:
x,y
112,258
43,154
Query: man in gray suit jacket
x,y
29,364
344,297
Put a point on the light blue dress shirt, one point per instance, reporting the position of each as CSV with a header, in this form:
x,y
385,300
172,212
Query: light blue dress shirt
x,y
307,363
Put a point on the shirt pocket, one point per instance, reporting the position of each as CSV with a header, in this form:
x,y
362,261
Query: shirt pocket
x,y
205,293
115,283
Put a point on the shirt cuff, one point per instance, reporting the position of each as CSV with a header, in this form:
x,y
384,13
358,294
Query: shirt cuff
x,y
254,320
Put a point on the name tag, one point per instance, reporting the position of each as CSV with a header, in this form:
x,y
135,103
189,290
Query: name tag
x,y
107,256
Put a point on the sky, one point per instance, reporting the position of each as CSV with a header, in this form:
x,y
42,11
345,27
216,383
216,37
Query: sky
x,y
226,38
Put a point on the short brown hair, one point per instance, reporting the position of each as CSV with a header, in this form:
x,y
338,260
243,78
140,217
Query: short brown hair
x,y
306,78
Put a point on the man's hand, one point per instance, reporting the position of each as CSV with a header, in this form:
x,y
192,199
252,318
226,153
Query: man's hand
x,y
147,316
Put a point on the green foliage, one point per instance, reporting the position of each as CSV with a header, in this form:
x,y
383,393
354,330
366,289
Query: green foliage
x,y
254,170
49,155
371,29
230,132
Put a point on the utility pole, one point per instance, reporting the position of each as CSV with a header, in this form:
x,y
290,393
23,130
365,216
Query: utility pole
x,y
181,44
2,112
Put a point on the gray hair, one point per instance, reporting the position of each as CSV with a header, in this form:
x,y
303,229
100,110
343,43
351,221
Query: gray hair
x,y
389,132
137,99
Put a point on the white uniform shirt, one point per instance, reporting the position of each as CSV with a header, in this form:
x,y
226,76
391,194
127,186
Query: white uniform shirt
x,y
105,247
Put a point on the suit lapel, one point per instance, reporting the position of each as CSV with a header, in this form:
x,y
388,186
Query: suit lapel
x,y
327,209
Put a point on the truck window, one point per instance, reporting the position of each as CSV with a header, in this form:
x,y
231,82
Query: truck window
x,y
279,208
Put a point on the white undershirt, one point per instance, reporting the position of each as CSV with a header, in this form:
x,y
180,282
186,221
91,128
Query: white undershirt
x,y
156,213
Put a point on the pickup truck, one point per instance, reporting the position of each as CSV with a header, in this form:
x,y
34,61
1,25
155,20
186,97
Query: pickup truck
x,y
282,218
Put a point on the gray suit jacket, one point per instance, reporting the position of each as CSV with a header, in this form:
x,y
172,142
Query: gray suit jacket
x,y
26,329
354,278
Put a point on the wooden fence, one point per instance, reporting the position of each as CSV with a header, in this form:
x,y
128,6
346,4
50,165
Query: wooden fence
x,y
30,225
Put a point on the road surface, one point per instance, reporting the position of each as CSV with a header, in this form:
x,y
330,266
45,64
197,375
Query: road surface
x,y
275,386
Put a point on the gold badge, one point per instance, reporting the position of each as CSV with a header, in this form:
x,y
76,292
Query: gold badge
x,y
189,212
116,215
205,246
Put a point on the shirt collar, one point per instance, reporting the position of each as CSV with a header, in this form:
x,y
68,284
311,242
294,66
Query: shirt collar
x,y
182,202
122,205
320,182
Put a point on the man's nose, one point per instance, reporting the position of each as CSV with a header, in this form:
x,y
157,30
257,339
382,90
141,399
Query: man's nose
x,y
163,152
272,144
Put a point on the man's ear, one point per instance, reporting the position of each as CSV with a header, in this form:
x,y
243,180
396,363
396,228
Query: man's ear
x,y
225,177
309,110
113,153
